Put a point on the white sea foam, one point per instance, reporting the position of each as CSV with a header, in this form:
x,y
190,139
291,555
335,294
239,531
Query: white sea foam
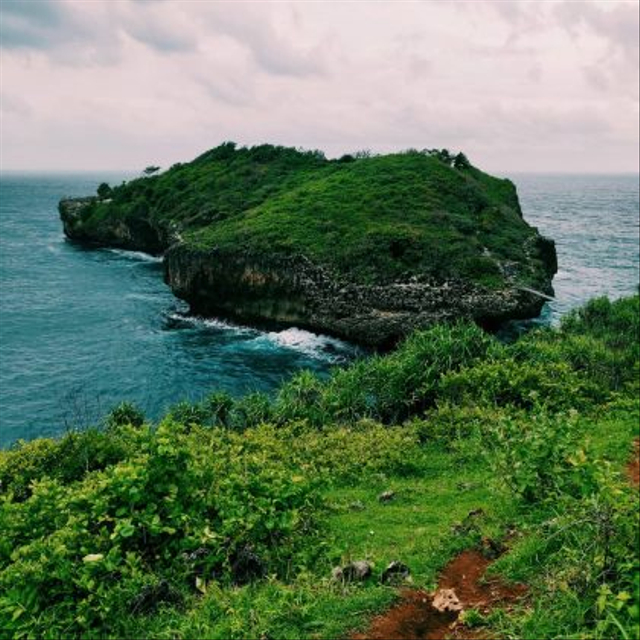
x,y
209,323
138,256
54,247
317,346
146,297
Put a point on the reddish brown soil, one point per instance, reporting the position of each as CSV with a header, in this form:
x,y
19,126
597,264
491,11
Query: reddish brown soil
x,y
633,468
415,619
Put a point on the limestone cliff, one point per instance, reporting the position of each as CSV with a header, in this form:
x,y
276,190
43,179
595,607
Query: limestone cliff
x,y
295,291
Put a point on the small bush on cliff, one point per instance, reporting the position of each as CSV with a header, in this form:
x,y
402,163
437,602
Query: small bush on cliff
x,y
220,405
68,459
555,386
616,322
190,413
104,190
537,455
598,540
126,413
251,410
598,341
301,398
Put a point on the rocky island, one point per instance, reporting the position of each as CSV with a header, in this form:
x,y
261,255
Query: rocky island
x,y
364,248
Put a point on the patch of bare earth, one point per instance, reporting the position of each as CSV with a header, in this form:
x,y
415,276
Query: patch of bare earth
x,y
633,468
434,616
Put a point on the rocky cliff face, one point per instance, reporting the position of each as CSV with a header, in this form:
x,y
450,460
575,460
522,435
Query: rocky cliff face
x,y
134,233
294,291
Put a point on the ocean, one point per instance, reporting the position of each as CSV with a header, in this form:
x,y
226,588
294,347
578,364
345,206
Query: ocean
x,y
82,330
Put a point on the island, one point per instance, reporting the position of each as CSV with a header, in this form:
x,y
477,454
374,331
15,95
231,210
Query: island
x,y
366,248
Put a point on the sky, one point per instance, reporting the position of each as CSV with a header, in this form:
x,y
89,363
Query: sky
x,y
544,85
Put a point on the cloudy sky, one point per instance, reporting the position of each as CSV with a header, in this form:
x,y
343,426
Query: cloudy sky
x,y
120,84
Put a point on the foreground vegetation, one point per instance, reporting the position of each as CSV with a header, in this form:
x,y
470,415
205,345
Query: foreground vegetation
x,y
225,519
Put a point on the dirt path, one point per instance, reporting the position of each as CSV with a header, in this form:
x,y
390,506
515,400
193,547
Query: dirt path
x,y
633,468
460,587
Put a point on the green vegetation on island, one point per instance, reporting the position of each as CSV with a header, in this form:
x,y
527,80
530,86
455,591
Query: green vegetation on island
x,y
373,219
225,518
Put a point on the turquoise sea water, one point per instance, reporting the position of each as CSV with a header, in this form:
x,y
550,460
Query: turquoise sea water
x,y
81,330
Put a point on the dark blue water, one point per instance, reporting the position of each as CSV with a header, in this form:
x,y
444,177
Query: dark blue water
x,y
81,330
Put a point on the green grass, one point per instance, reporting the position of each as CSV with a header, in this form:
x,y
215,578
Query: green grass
x,y
147,531
382,218
415,527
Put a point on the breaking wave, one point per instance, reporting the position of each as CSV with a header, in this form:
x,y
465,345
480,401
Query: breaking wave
x,y
311,344
138,256
317,346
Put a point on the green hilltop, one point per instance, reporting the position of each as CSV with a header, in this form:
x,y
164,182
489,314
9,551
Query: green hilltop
x,y
371,219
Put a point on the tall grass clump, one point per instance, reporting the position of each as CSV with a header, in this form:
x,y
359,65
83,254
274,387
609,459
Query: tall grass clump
x,y
388,388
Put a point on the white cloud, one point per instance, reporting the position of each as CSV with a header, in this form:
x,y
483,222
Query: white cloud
x,y
124,83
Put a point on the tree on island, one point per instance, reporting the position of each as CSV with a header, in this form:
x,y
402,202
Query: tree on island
x,y
104,191
444,155
150,170
461,161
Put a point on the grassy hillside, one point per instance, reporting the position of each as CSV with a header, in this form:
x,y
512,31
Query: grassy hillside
x,y
225,519
373,219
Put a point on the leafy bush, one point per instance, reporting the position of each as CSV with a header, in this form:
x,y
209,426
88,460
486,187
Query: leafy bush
x,y
251,410
125,413
555,386
68,459
616,322
537,455
189,413
448,424
219,406
599,554
301,398
581,560
104,190
337,454
592,357
188,503
392,388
